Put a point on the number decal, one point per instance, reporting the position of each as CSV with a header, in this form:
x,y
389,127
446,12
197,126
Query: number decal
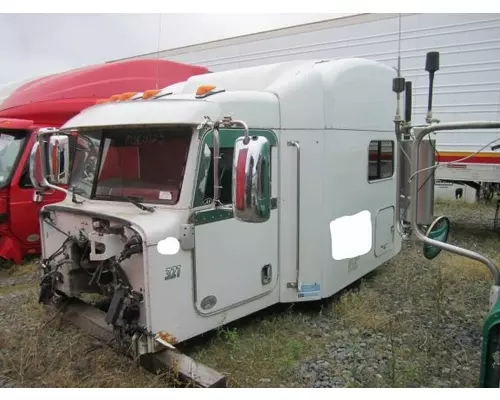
x,y
172,272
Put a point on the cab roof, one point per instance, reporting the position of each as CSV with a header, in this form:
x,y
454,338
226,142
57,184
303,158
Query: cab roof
x,y
349,94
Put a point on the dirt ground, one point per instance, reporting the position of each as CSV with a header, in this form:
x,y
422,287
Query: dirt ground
x,y
411,323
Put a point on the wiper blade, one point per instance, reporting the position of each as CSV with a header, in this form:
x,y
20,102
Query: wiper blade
x,y
130,199
140,205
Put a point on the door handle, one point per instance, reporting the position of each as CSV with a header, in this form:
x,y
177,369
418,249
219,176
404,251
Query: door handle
x,y
266,274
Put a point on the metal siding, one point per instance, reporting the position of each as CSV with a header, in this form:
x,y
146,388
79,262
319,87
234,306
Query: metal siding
x,y
467,87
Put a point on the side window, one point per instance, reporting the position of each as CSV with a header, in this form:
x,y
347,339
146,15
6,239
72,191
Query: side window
x,y
25,181
380,160
204,190
205,186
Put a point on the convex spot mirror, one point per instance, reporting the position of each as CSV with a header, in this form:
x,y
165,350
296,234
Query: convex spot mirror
x,y
438,230
252,179
59,159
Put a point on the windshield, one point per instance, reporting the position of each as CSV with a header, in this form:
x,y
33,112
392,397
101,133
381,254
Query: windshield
x,y
146,164
11,143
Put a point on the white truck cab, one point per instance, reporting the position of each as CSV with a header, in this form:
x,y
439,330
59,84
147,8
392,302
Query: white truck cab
x,y
233,192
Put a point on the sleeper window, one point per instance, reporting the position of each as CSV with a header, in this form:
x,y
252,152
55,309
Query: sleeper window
x,y
380,160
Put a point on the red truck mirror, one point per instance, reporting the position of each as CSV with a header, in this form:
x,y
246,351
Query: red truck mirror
x,y
252,179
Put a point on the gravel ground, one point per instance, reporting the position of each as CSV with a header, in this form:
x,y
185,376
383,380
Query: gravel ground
x,y
411,323
442,348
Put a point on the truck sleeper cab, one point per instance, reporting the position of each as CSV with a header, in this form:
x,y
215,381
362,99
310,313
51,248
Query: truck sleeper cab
x,y
173,247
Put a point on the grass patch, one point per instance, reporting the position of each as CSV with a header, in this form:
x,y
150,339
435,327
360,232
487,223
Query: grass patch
x,y
49,354
18,270
261,350
362,309
16,288
456,269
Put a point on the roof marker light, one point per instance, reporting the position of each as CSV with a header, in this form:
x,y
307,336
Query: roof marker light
x,y
126,96
204,89
150,93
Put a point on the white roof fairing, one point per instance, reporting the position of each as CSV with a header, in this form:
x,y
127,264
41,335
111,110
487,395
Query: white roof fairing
x,y
178,111
335,94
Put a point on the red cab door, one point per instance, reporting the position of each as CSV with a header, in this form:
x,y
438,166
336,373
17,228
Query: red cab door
x,y
23,212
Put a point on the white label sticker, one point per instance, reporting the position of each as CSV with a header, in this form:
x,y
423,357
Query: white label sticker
x,y
165,196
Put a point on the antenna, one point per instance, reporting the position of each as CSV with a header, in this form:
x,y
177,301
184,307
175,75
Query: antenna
x,y
158,51
431,66
398,84
399,45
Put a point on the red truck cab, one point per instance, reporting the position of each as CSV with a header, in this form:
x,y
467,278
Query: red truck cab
x,y
51,101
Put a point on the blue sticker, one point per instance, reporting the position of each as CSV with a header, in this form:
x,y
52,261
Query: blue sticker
x,y
310,288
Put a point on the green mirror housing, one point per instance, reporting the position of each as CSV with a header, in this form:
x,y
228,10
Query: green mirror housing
x,y
490,351
438,230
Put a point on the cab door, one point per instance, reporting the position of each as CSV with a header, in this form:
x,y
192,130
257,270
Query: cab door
x,y
235,262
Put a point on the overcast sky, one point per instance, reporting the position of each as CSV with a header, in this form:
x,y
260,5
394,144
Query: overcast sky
x,y
34,44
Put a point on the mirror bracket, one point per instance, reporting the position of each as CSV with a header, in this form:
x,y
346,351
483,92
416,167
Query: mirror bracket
x,y
225,122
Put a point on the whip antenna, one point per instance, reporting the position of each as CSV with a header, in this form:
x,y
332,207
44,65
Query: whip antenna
x,y
158,51
398,84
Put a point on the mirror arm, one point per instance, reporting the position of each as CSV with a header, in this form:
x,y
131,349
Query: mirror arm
x,y
245,127
228,123
420,133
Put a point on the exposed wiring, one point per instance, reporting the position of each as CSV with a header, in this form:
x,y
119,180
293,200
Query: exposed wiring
x,y
453,162
427,179
431,175
437,165
59,251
